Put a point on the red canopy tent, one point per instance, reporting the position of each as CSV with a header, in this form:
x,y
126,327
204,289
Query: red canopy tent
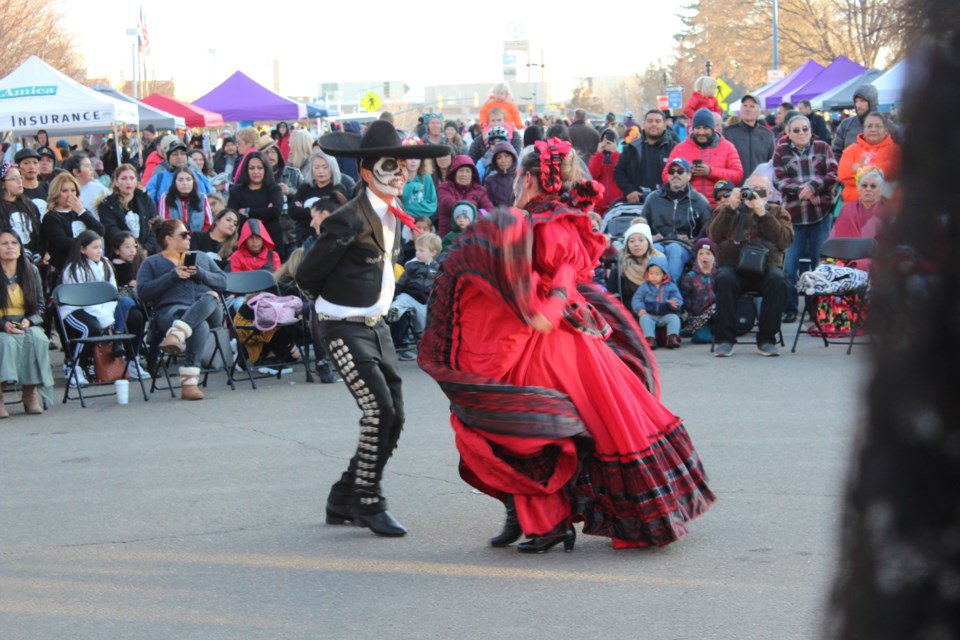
x,y
193,116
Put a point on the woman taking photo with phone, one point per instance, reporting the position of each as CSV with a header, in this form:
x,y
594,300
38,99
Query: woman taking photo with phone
x,y
185,300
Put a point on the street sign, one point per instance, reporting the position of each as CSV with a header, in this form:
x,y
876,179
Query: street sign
x,y
775,75
674,98
663,102
371,102
723,92
674,87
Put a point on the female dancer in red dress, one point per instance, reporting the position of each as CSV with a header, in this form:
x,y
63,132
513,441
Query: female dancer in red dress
x,y
554,393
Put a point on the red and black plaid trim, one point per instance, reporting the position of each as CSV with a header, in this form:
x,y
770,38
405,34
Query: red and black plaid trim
x,y
646,496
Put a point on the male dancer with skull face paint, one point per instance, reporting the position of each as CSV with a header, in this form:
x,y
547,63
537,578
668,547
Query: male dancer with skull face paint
x,y
350,272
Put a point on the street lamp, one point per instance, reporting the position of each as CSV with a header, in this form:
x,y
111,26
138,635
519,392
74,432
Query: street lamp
x,y
542,66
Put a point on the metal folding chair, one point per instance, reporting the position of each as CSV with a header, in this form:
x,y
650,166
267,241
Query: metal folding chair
x,y
840,249
247,283
86,294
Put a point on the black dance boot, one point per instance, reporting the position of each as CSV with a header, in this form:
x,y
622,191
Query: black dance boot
x,y
542,544
326,372
511,527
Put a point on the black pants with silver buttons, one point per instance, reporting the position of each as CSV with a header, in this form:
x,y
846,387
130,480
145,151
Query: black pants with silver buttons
x,y
366,360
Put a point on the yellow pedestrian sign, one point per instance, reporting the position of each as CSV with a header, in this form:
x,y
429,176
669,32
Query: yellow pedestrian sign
x,y
723,92
371,102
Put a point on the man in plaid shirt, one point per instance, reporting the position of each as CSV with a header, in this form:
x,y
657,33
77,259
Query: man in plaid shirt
x,y
805,172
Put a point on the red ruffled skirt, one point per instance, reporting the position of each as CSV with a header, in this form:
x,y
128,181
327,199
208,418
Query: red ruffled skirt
x,y
567,422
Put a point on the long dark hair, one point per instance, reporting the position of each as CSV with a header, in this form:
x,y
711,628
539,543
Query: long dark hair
x,y
244,179
77,264
173,195
28,285
113,245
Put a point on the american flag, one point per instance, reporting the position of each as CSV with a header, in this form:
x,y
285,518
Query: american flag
x,y
144,37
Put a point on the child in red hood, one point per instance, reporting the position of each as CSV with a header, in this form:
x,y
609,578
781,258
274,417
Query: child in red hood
x,y
255,249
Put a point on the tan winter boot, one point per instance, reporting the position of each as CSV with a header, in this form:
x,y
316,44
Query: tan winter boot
x,y
173,342
31,400
3,408
190,383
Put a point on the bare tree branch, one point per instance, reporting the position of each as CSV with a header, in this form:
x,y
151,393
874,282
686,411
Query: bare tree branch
x,y
30,28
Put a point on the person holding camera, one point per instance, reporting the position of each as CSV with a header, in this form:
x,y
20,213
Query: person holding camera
x,y
752,236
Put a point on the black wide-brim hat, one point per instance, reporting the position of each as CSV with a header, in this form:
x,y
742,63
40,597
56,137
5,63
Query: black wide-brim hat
x,y
379,141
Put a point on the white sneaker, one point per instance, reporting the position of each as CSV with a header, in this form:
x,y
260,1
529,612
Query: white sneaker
x,y
78,380
134,370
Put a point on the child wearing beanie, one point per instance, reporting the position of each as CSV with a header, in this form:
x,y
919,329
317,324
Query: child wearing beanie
x,y
697,289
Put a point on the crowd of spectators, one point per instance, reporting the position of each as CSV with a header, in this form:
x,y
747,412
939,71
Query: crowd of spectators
x,y
254,200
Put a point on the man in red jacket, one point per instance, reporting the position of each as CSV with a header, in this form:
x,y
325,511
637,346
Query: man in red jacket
x,y
711,157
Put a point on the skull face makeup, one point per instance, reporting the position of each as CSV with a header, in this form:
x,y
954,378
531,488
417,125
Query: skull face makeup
x,y
390,176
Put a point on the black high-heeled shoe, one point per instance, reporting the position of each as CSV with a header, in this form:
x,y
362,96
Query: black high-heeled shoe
x,y
511,531
542,544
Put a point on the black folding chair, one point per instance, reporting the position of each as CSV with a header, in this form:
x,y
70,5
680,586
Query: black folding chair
x,y
159,363
845,249
247,283
86,294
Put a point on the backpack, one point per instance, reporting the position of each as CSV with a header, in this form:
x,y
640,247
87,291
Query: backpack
x,y
270,310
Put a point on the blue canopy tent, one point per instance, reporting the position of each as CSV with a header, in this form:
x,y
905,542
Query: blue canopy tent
x,y
313,111
841,97
890,86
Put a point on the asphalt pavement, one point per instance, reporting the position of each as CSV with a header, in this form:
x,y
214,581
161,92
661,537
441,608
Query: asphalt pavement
x,y
171,519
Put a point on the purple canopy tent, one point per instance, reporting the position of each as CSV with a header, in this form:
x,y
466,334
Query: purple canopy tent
x,y
840,71
239,98
773,96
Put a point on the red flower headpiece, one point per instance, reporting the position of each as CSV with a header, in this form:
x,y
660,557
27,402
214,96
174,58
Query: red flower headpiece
x,y
552,152
586,194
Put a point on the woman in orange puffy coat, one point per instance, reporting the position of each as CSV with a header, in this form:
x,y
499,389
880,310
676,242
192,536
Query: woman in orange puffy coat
x,y
875,147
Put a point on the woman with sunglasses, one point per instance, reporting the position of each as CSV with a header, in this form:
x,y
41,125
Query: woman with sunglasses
x,y
185,300
805,173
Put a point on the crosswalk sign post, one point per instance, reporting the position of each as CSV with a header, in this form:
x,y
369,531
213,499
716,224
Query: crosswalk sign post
x,y
723,92
371,102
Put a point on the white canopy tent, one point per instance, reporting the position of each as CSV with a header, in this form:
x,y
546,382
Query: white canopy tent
x,y
37,96
891,84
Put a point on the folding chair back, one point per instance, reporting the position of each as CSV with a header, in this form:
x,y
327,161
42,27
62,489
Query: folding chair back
x,y
86,294
245,283
848,248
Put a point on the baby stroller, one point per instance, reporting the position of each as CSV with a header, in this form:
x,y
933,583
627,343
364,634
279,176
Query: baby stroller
x,y
618,219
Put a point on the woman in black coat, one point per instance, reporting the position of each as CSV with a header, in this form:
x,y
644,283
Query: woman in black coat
x,y
129,208
256,195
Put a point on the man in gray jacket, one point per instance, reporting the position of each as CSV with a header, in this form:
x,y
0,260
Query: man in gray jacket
x,y
677,215
864,101
754,142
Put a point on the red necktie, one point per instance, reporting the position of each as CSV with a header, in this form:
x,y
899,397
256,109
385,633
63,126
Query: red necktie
x,y
403,217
